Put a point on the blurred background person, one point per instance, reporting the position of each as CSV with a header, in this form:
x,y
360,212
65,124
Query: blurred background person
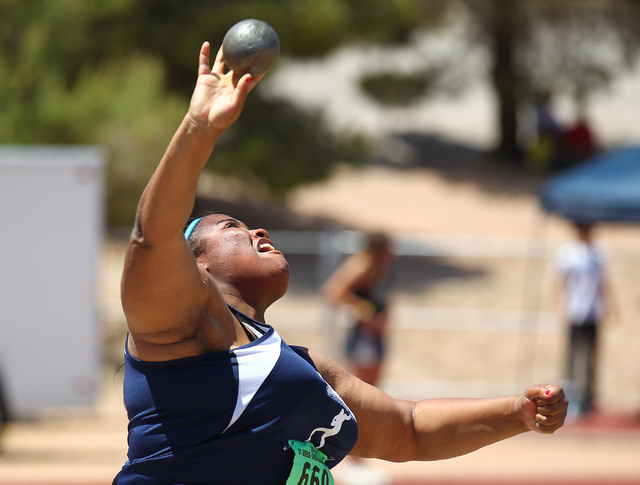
x,y
585,302
577,143
548,130
361,284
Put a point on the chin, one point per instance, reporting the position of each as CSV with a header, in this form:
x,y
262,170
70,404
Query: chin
x,y
283,267
285,281
281,281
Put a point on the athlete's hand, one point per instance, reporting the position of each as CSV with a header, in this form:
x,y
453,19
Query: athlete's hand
x,y
216,101
543,408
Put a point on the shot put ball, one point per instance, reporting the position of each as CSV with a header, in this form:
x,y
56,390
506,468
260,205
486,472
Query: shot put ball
x,y
250,46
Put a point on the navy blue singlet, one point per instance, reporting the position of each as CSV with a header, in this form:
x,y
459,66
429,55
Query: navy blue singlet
x,y
225,418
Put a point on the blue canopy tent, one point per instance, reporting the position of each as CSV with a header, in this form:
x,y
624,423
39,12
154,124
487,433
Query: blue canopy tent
x,y
605,188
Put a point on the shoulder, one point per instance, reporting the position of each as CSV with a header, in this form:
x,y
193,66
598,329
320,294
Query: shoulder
x,y
304,353
382,420
562,256
569,254
348,387
319,360
564,250
601,252
355,264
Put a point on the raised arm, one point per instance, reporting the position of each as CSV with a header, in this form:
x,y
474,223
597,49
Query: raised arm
x,y
435,429
163,289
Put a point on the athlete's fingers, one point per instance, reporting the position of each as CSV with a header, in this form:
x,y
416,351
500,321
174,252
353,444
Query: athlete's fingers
x,y
203,65
218,64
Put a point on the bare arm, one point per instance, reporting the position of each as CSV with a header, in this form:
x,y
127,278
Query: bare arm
x,y
339,288
164,291
434,429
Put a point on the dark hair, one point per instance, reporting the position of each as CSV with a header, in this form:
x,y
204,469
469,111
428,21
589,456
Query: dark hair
x,y
376,241
582,226
196,242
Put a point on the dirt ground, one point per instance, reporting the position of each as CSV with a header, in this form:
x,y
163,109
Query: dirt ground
x,y
476,318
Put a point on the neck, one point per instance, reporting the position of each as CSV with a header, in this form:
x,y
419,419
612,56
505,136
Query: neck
x,y
252,311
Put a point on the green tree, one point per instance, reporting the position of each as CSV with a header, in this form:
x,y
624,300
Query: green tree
x,y
541,46
551,46
63,82
119,73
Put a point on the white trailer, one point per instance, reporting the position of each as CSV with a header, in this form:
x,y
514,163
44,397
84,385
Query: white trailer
x,y
51,228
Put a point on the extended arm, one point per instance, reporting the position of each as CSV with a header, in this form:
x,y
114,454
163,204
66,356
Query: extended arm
x,y
435,429
163,289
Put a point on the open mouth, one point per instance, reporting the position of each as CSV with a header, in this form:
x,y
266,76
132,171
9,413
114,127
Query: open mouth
x,y
265,247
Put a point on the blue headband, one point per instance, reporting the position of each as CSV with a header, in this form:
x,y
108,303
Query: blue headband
x,y
191,227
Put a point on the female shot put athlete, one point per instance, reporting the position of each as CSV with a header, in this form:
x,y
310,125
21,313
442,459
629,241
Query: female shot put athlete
x,y
213,394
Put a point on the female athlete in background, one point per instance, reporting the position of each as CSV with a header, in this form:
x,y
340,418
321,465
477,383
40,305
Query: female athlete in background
x,y
362,285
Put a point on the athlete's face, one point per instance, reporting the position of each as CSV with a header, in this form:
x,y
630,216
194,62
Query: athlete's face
x,y
244,259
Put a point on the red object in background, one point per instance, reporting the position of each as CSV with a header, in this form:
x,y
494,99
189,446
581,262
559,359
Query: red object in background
x,y
578,140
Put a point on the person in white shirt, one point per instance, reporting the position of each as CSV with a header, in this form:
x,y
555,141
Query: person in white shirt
x,y
581,265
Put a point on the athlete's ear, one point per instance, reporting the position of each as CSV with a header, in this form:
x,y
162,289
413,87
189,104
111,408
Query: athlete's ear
x,y
204,265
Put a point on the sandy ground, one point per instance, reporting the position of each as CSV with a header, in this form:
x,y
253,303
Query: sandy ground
x,y
477,319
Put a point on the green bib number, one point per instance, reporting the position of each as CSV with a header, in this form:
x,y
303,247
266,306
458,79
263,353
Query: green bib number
x,y
308,465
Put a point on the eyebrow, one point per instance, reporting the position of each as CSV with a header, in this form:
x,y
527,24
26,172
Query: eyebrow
x,y
230,219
